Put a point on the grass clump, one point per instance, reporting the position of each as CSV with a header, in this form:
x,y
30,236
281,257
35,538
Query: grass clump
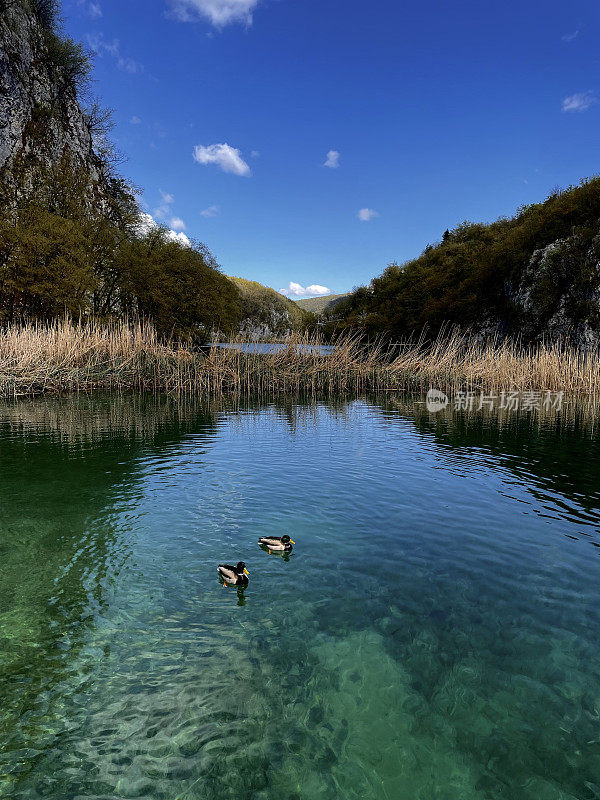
x,y
457,361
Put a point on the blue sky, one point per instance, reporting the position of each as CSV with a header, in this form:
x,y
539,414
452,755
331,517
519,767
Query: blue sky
x,y
432,113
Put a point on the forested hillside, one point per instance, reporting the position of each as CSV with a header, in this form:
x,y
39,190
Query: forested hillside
x,y
534,275
265,312
320,305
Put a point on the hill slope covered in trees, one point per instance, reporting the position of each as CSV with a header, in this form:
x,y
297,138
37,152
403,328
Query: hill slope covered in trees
x,y
534,275
265,312
320,305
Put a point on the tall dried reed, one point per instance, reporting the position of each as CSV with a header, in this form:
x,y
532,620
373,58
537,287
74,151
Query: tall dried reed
x,y
66,356
459,361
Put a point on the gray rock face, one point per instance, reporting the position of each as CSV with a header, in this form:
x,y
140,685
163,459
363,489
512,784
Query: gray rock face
x,y
558,296
40,118
273,323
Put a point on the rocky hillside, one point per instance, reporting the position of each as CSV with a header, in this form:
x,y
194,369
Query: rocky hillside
x,y
558,294
267,313
534,276
71,236
41,121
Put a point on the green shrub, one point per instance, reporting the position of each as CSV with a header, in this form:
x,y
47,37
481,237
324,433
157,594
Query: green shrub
x,y
47,12
69,57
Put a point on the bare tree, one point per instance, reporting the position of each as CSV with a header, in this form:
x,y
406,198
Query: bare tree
x,y
99,119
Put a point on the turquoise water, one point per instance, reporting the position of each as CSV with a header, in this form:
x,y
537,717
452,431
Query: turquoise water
x,y
435,634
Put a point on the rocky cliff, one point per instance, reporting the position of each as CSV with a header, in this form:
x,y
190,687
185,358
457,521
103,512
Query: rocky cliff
x,y
558,296
41,121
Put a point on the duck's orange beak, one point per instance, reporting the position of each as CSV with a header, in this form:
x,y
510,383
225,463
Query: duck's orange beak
x,y
246,571
292,541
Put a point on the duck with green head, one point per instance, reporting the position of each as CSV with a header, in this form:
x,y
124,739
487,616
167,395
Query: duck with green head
x,y
277,544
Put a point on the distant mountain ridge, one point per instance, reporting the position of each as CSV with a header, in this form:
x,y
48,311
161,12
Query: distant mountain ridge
x,y
319,305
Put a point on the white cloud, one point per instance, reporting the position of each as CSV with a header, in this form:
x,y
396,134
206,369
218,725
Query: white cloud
x,y
218,12
92,8
580,101
163,211
255,154
101,48
333,159
135,121
228,158
177,224
297,290
178,237
568,37
147,223
367,214
211,211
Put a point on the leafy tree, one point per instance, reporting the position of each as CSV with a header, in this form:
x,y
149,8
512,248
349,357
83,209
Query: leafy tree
x,y
47,11
75,247
178,287
70,58
45,269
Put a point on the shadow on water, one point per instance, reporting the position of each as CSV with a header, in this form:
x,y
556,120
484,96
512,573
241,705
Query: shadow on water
x,y
433,633
283,555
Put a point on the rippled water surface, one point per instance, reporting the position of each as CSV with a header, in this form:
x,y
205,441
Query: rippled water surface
x,y
435,634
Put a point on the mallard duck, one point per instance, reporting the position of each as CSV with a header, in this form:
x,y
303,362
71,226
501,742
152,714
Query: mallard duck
x,y
235,576
278,544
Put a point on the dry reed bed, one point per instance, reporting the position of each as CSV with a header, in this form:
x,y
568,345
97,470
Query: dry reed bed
x,y
66,356
458,361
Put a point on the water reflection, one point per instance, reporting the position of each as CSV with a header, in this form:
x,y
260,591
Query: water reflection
x,y
70,486
433,634
555,454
